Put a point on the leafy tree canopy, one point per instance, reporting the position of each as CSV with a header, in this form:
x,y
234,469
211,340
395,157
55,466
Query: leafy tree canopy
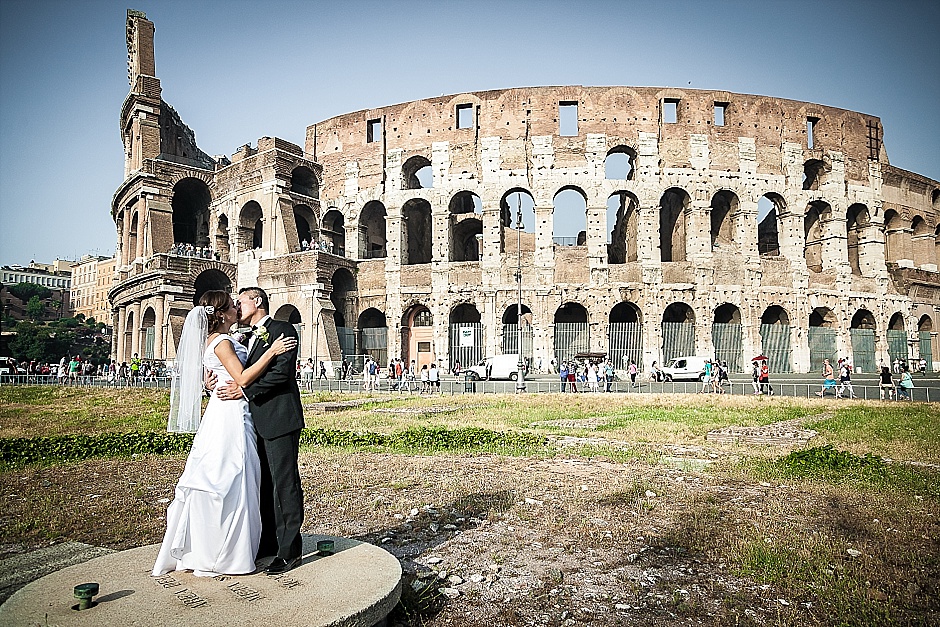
x,y
25,291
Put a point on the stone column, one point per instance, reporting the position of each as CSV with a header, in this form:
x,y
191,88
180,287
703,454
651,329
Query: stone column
x,y
597,243
119,334
544,258
135,330
158,335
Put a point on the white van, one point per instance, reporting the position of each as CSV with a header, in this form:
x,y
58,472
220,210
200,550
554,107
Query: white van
x,y
498,367
690,368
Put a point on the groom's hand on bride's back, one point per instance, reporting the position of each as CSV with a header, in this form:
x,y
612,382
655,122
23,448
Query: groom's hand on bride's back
x,y
229,391
211,380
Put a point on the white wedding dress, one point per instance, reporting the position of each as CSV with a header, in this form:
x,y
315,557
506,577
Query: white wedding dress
x,y
213,526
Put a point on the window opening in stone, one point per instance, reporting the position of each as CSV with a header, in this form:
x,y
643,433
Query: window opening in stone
x,y
678,330
724,210
416,173
569,218
344,299
287,313
814,172
622,227
672,229
465,116
895,236
670,111
221,238
333,234
422,318
620,163
250,227
303,181
512,202
304,235
373,131
816,213
856,223
568,118
190,206
211,279
720,109
466,227
372,238
416,232
811,132
372,336
768,219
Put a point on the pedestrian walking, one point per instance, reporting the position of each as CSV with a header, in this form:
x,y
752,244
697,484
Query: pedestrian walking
x,y
755,376
632,370
765,386
829,379
845,379
905,385
563,375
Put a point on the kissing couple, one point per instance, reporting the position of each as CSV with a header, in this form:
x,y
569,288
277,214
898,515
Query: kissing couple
x,y
239,499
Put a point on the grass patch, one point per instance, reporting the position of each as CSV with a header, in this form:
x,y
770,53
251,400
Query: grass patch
x,y
909,431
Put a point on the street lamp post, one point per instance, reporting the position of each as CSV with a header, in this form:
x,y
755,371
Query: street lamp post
x,y
520,366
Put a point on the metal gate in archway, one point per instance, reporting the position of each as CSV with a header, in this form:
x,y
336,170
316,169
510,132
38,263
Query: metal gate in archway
x,y
926,349
347,341
863,349
466,344
822,345
726,339
775,343
625,344
510,343
678,340
373,341
571,338
897,345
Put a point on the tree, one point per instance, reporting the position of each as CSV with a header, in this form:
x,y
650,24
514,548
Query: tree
x,y
40,342
26,291
35,308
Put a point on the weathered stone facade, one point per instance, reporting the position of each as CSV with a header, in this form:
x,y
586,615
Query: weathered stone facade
x,y
678,253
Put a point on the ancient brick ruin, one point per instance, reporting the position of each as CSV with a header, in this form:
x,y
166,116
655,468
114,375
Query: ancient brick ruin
x,y
694,222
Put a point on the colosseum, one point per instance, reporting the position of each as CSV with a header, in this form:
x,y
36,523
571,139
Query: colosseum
x,y
640,222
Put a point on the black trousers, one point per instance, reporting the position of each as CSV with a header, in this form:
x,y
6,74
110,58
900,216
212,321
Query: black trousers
x,y
282,498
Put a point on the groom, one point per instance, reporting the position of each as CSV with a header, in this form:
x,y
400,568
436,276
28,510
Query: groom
x,y
274,402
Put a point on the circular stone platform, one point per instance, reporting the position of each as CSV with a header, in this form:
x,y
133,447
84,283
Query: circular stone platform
x,y
356,586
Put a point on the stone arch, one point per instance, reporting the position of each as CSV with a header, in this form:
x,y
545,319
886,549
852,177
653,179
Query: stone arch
x,y
416,232
620,163
572,331
678,328
211,279
625,335
857,225
673,206
343,296
466,227
333,232
622,227
770,207
925,324
514,202
775,338
373,335
922,242
568,204
724,215
814,174
510,330
897,238
727,336
417,331
303,181
821,336
465,335
464,313
222,238
288,313
190,205
372,234
132,238
251,226
414,170
817,212
372,318
863,331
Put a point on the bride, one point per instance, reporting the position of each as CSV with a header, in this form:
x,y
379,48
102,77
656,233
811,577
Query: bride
x,y
213,526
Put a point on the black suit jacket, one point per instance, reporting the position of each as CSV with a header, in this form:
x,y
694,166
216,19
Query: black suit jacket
x,y
274,398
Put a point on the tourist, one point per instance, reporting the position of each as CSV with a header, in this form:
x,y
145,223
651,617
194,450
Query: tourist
x,y
765,386
886,387
434,379
829,380
425,380
609,374
632,370
306,373
923,367
591,376
845,379
905,385
755,376
563,375
706,377
366,374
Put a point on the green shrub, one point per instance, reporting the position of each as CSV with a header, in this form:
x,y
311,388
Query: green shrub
x,y
828,461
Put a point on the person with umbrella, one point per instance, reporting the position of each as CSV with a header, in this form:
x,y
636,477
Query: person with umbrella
x,y
755,373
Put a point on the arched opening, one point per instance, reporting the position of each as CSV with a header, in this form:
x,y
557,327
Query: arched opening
x,y
816,213
569,217
572,333
128,337
625,335
372,240
345,303
190,206
148,332
922,244
417,336
821,336
925,341
373,335
510,321
210,280
775,339
814,174
678,331
863,341
416,232
727,337
466,227
897,339
856,224
896,237
250,226
306,221
416,173
132,239
620,163
517,207
622,227
288,313
466,336
333,233
724,214
304,181
672,228
769,208
221,239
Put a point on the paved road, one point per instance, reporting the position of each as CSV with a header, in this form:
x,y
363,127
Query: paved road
x,y
794,385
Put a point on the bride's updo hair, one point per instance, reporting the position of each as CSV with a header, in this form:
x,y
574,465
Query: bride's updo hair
x,y
219,300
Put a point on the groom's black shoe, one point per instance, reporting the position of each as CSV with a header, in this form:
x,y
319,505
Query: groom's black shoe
x,y
280,565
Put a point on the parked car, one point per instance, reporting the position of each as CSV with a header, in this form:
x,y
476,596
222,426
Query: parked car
x,y
497,367
685,368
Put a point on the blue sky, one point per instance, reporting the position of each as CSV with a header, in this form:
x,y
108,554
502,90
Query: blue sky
x,y
237,71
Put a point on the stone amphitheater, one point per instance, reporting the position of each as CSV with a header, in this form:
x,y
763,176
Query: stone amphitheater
x,y
638,222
